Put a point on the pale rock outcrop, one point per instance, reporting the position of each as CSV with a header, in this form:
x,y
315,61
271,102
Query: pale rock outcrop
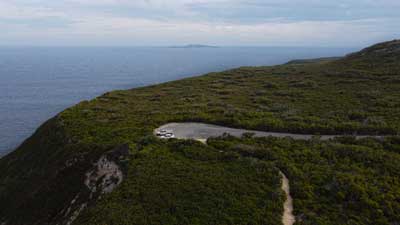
x,y
105,175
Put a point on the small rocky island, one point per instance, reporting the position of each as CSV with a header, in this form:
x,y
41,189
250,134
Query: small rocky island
x,y
194,46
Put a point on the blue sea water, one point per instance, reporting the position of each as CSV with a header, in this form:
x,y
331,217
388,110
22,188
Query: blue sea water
x,y
36,83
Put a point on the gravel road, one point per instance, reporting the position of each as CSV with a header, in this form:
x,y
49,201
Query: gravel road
x,y
202,131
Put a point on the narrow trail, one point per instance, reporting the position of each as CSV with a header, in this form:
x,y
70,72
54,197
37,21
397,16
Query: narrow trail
x,y
201,132
288,217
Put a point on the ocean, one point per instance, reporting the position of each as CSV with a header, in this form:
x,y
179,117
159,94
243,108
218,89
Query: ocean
x,y
36,83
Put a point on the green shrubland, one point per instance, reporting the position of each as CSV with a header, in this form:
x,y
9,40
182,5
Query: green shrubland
x,y
345,181
230,181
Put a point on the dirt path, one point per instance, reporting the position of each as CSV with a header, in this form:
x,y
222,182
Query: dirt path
x,y
288,217
202,131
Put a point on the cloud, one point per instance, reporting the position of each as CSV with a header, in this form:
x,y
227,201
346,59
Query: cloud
x,y
222,22
15,11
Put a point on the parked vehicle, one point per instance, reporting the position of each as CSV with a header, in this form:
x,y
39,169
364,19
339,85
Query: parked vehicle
x,y
165,134
169,135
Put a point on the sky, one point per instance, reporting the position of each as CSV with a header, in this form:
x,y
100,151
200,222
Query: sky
x,y
214,22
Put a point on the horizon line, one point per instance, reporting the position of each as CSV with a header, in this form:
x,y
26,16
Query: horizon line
x,y
178,46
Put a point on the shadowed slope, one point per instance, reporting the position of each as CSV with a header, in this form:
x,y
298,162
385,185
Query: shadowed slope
x,y
41,180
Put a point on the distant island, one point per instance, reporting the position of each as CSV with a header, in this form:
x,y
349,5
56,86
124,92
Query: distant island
x,y
124,157
193,46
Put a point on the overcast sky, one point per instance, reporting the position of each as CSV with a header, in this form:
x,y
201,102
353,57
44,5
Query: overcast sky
x,y
214,22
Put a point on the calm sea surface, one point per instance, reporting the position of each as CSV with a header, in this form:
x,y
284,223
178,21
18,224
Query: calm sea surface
x,y
37,83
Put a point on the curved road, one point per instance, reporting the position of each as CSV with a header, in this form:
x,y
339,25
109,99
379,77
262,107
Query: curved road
x,y
202,131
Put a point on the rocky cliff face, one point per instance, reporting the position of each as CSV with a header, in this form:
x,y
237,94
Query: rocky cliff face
x,y
51,178
77,157
103,178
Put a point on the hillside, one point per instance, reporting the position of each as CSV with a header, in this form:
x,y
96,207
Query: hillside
x,y
98,162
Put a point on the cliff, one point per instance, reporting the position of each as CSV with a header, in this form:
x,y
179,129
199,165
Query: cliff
x,y
98,163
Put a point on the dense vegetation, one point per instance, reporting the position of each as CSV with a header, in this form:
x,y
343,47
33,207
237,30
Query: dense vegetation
x,y
187,183
335,182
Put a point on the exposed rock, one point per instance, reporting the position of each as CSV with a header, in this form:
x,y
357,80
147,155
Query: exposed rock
x,y
106,174
103,178
76,213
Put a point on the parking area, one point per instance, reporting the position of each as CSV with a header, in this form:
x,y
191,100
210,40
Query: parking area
x,y
202,131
